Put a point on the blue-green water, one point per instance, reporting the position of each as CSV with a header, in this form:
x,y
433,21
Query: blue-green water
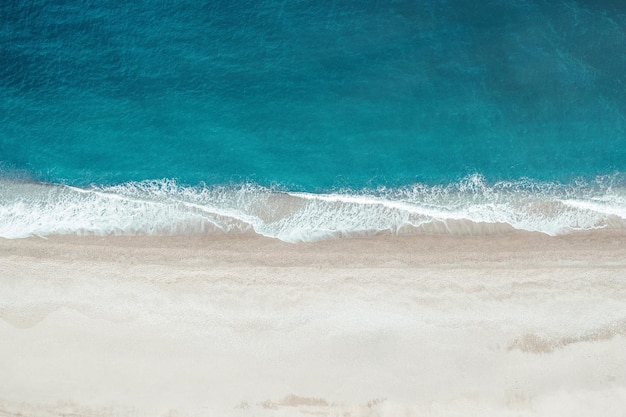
x,y
455,106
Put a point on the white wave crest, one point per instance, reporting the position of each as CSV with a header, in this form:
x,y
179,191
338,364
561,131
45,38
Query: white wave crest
x,y
470,206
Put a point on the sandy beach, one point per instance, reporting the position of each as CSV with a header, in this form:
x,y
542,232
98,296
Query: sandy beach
x,y
519,324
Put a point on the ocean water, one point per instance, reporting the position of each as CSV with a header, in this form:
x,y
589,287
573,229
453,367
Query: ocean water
x,y
307,120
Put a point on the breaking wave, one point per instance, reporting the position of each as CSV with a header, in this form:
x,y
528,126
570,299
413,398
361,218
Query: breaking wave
x,y
470,206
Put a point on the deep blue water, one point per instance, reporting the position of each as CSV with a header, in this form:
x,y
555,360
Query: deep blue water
x,y
314,96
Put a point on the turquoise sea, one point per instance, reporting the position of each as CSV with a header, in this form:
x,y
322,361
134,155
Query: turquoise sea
x,y
305,120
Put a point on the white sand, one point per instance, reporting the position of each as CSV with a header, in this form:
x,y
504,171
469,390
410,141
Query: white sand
x,y
516,325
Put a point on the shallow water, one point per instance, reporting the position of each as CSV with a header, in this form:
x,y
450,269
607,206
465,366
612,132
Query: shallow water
x,y
469,207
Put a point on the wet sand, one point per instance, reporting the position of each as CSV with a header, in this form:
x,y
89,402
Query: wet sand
x,y
520,324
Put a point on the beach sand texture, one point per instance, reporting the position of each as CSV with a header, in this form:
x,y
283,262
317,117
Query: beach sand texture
x,y
520,324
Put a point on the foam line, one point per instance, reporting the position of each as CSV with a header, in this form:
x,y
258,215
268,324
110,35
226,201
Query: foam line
x,y
162,207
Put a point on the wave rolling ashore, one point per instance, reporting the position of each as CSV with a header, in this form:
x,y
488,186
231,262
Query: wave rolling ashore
x,y
511,324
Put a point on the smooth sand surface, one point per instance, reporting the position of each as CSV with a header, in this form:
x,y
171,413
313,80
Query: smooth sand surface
x,y
513,325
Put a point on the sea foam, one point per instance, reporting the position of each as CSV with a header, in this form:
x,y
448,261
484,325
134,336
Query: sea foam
x,y
470,206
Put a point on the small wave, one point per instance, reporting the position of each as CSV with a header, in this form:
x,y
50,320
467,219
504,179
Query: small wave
x,y
163,207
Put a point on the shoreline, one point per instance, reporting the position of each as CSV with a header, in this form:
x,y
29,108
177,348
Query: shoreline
x,y
516,246
521,324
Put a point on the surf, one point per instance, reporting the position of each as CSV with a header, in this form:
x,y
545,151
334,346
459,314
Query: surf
x,y
470,206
